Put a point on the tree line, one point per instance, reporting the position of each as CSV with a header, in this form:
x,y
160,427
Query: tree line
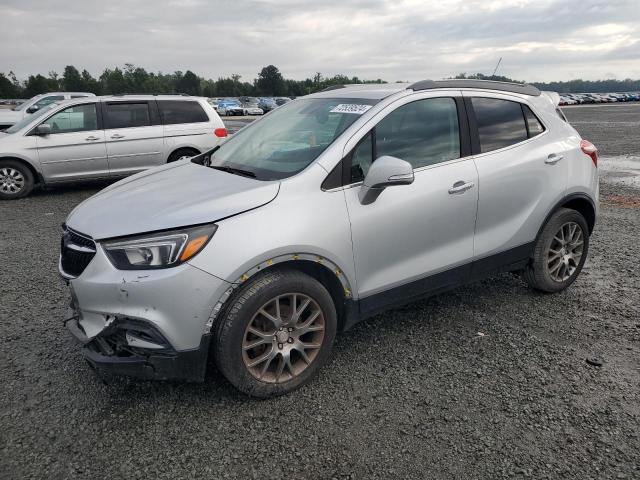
x,y
132,79
270,82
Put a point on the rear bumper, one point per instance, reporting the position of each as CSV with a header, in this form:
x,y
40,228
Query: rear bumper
x,y
110,352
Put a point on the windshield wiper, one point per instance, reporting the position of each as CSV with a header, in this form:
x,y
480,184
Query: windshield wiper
x,y
235,171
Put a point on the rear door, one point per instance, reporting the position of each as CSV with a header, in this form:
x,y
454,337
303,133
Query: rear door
x,y
522,173
75,149
134,136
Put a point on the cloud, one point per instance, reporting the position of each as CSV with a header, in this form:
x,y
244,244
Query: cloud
x,y
389,39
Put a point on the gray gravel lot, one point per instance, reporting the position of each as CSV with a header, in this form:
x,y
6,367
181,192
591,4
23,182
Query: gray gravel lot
x,y
488,381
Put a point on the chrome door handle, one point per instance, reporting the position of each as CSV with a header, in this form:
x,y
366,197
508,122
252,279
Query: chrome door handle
x,y
92,138
117,136
460,187
553,159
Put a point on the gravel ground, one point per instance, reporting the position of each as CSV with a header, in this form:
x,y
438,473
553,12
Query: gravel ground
x,y
488,381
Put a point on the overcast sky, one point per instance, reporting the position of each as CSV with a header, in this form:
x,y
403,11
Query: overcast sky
x,y
539,40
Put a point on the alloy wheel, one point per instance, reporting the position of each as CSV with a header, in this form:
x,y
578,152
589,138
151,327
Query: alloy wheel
x,y
283,338
565,251
11,180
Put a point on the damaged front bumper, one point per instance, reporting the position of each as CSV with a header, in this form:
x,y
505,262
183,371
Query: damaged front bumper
x,y
152,324
114,350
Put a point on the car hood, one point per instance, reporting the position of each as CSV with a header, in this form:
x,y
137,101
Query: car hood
x,y
175,195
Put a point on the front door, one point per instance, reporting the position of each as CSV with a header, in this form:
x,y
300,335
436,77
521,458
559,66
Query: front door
x,y
75,149
134,136
419,237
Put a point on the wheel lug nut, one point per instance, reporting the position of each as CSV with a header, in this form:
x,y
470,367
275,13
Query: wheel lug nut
x,y
291,329
280,346
290,340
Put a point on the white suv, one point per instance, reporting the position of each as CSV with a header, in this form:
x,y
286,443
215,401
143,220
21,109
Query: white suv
x,y
104,137
328,210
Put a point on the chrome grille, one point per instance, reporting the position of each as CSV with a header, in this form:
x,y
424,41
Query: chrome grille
x,y
76,251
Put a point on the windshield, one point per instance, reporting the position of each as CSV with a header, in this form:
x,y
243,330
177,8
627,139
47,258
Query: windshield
x,y
30,118
290,138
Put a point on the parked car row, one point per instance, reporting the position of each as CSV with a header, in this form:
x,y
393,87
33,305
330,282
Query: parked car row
x,y
580,98
230,106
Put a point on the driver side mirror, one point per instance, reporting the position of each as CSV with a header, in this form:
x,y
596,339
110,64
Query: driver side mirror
x,y
43,129
33,109
385,172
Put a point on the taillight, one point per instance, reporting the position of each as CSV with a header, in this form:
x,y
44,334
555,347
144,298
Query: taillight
x,y
220,132
590,149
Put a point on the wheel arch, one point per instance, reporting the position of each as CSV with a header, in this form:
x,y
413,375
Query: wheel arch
x,y
183,147
580,202
320,268
37,176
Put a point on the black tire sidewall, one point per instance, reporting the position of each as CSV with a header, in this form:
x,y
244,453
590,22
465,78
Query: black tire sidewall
x,y
180,153
242,307
29,180
542,276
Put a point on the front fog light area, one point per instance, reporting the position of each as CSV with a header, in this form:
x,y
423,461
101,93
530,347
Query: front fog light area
x,y
161,250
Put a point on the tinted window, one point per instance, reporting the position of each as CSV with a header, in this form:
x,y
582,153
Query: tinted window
x,y
422,133
500,123
125,115
78,118
176,111
533,124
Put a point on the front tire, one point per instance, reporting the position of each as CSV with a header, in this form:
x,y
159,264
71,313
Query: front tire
x,y
559,253
16,180
276,333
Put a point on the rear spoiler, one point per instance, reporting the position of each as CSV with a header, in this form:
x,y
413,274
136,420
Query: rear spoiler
x,y
553,97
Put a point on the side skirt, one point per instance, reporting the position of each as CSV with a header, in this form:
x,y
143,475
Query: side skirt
x,y
510,260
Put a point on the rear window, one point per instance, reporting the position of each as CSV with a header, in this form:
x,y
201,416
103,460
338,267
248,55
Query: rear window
x,y
127,115
500,123
179,111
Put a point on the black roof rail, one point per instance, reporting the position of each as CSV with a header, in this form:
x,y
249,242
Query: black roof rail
x,y
522,88
332,87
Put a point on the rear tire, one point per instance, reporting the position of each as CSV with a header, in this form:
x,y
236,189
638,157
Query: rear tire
x,y
182,154
16,180
259,324
559,253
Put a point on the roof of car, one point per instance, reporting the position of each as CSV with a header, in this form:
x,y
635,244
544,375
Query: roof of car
x,y
379,91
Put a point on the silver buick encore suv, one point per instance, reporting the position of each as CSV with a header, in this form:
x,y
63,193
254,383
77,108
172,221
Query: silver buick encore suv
x,y
328,210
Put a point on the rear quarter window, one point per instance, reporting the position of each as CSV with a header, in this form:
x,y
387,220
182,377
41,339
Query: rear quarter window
x,y
177,112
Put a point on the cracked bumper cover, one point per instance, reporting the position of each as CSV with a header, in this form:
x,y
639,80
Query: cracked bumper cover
x,y
149,324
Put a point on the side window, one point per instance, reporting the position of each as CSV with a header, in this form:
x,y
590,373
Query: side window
x,y
180,111
47,100
361,159
500,123
78,118
424,132
534,127
127,114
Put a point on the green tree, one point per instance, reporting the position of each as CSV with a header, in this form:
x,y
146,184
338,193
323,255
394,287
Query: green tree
x,y
270,81
8,89
72,80
189,84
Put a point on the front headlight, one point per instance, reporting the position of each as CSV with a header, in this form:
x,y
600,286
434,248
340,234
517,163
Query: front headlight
x,y
159,250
